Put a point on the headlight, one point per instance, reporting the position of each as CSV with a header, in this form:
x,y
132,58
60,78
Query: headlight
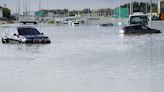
x,y
122,31
24,39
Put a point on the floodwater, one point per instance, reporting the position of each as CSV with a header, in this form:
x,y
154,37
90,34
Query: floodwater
x,y
84,59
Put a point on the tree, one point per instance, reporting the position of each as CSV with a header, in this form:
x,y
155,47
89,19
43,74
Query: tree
x,y
86,11
141,6
6,13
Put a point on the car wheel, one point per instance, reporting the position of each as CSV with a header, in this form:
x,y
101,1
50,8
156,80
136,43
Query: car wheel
x,y
5,41
20,42
35,23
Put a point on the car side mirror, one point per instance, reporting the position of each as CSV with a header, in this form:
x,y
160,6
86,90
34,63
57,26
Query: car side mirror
x,y
149,28
15,34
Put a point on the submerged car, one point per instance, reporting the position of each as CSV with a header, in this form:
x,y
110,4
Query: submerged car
x,y
106,25
24,34
138,29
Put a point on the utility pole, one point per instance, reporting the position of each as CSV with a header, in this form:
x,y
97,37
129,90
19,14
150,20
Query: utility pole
x,y
119,9
39,10
39,4
150,13
26,8
146,7
131,7
18,11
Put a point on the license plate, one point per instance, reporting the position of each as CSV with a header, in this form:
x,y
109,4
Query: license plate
x,y
39,40
36,40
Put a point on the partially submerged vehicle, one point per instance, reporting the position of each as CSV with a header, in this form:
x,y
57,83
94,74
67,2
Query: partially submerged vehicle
x,y
138,29
106,25
24,34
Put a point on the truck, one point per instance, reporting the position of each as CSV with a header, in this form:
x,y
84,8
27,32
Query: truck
x,y
28,19
138,18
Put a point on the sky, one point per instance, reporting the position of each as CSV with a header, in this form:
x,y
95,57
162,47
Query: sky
x,y
33,5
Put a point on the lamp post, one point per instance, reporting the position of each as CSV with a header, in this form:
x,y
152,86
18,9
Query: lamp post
x,y
146,7
39,4
131,7
39,10
18,11
150,13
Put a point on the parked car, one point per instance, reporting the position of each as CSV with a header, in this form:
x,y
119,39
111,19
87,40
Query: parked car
x,y
24,34
138,29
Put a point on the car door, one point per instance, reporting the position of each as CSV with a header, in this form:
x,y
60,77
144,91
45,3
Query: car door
x,y
14,34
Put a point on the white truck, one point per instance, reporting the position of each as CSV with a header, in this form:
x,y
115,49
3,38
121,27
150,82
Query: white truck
x,y
138,18
28,19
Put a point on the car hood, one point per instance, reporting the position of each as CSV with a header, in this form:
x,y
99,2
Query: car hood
x,y
155,31
35,37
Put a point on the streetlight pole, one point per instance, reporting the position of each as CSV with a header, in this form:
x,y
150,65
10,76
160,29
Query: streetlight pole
x,y
39,4
146,7
131,7
39,10
18,10
150,13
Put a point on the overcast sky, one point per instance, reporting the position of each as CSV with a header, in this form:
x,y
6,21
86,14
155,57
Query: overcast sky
x,y
33,5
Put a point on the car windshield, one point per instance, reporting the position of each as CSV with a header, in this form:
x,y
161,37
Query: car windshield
x,y
139,20
28,31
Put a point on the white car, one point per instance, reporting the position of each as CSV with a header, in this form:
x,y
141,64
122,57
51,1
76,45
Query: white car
x,y
24,34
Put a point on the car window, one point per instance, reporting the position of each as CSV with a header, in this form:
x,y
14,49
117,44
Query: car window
x,y
28,31
144,28
138,20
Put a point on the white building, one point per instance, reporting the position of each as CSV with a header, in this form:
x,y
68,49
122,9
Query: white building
x,y
51,14
1,13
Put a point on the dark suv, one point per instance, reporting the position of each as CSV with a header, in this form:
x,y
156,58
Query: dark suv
x,y
24,34
138,29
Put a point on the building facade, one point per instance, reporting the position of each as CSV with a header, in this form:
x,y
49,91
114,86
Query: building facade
x,y
1,13
120,13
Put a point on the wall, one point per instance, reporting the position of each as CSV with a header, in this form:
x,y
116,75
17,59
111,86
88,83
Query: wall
x,y
1,13
120,13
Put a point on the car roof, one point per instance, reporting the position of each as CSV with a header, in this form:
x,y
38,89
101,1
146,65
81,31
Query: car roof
x,y
21,26
25,27
134,25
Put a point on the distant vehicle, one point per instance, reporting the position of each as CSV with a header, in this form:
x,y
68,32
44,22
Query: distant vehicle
x,y
138,29
75,23
93,18
28,19
24,34
106,25
138,18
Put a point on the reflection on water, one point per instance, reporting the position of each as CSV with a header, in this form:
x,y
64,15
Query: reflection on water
x,y
84,59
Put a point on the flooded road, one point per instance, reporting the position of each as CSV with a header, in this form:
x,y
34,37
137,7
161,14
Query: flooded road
x,y
84,59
